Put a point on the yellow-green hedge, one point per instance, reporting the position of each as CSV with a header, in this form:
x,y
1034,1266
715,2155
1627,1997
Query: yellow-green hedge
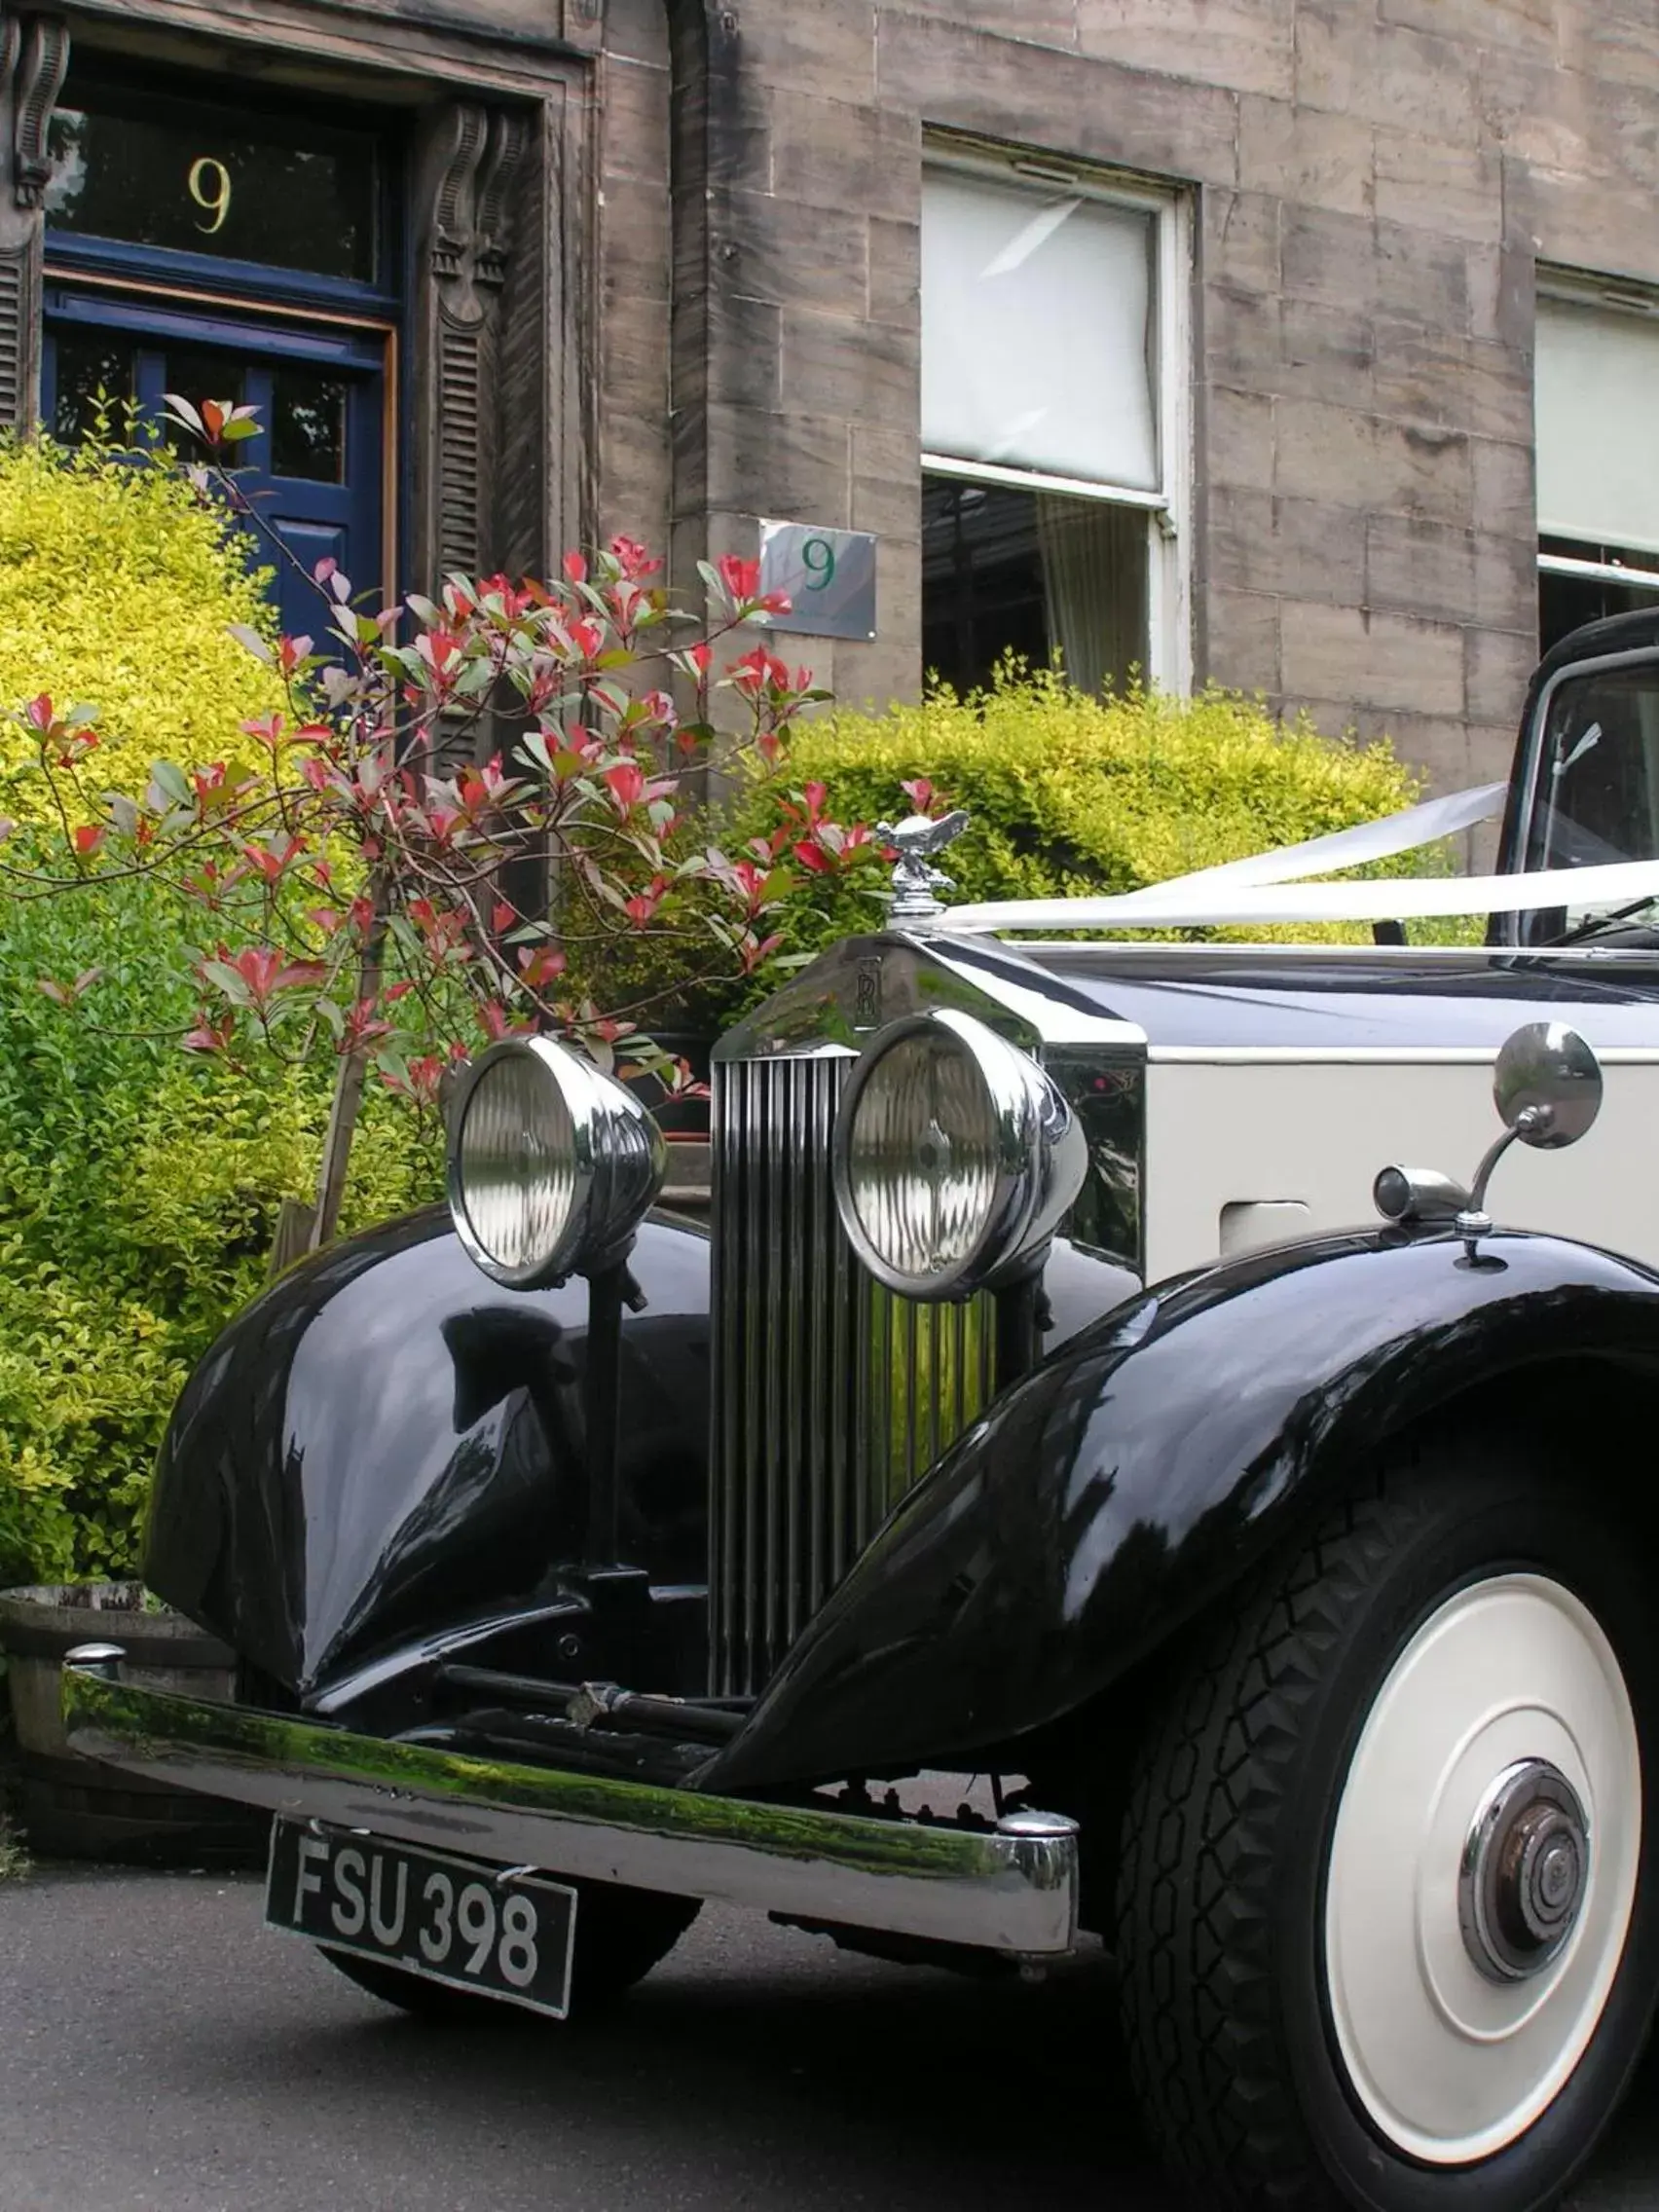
x,y
140,1189
1072,794
139,1194
118,584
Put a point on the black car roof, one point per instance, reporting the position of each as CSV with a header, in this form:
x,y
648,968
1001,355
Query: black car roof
x,y
1613,634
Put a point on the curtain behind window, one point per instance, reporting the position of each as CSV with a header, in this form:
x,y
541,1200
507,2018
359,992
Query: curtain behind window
x,y
1094,564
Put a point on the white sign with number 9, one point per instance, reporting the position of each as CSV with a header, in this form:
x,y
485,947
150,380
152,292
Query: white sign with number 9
x,y
828,576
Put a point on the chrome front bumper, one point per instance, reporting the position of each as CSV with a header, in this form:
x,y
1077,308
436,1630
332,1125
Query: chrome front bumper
x,y
1011,1889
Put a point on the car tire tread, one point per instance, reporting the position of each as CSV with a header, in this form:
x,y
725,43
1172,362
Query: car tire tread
x,y
1208,2072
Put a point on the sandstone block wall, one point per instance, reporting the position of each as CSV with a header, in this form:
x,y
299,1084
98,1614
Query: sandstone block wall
x,y
728,212
1375,183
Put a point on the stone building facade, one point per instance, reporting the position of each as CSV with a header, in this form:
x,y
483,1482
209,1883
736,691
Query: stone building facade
x,y
1264,341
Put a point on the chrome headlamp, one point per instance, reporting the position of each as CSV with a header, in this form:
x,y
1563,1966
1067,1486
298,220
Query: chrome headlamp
x,y
955,1156
552,1165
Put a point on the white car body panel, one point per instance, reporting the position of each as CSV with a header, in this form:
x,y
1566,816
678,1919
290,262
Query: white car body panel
x,y
1233,1128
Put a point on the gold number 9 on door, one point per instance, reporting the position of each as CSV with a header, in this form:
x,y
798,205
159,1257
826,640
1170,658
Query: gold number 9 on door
x,y
209,183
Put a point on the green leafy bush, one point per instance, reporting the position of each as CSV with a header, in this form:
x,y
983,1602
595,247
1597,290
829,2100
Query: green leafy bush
x,y
339,908
118,587
140,1189
1071,793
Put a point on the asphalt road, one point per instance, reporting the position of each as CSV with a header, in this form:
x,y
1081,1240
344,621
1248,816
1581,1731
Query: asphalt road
x,y
162,2052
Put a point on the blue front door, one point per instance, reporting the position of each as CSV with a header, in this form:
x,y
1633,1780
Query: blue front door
x,y
235,252
315,476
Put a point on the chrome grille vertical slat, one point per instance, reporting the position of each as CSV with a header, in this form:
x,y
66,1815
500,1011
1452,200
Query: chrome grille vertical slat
x,y
725,1461
753,1382
847,1366
793,1320
914,1337
720,1473
817,1103
775,1133
832,1397
862,1428
942,1344
877,1415
957,1411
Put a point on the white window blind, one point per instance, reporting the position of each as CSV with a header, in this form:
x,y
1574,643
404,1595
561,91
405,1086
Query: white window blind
x,y
1597,406
1036,330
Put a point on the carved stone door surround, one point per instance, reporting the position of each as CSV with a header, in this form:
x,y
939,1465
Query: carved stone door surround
x,y
34,53
498,213
477,153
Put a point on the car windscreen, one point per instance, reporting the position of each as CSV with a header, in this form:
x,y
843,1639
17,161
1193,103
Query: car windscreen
x,y
1595,787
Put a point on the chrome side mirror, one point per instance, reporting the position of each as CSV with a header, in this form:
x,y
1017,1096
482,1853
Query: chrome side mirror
x,y
1547,1088
1547,1085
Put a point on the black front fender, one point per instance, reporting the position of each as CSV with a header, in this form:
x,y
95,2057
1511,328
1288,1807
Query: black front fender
x,y
1128,1481
386,1442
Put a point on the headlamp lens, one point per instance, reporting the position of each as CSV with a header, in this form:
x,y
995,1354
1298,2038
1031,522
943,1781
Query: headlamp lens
x,y
922,1156
516,1162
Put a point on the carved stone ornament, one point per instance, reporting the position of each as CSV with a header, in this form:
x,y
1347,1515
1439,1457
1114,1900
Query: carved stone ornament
x,y
508,131
43,58
917,838
468,127
471,219
583,24
481,154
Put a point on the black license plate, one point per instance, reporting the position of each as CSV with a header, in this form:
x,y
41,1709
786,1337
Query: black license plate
x,y
448,1920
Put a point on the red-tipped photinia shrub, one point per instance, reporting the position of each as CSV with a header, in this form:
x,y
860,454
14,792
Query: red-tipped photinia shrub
x,y
476,813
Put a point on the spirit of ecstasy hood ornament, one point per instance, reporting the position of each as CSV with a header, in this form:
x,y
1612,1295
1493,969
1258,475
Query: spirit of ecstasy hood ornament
x,y
914,880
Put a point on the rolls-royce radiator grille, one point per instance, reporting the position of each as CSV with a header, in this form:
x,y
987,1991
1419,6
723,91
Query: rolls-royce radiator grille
x,y
831,1396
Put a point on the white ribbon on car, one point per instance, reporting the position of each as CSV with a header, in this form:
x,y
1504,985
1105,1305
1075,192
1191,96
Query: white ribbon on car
x,y
1267,887
1378,840
1397,899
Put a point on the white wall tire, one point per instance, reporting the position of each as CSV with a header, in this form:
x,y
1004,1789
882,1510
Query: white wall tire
x,y
1450,2063
1332,1997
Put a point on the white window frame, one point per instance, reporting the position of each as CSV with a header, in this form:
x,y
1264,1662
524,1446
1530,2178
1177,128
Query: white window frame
x,y
1168,509
1598,571
1578,287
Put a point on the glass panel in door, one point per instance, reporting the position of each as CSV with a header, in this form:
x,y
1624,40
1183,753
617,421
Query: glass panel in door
x,y
314,473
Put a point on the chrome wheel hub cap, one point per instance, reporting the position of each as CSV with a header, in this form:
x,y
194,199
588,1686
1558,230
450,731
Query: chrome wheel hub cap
x,y
1526,1869
1482,1870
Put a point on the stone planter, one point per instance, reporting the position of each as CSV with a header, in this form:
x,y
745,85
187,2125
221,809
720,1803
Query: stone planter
x,y
685,1187
77,1808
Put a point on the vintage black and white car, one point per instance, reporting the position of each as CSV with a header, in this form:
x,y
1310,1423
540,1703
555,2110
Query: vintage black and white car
x,y
1147,1377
